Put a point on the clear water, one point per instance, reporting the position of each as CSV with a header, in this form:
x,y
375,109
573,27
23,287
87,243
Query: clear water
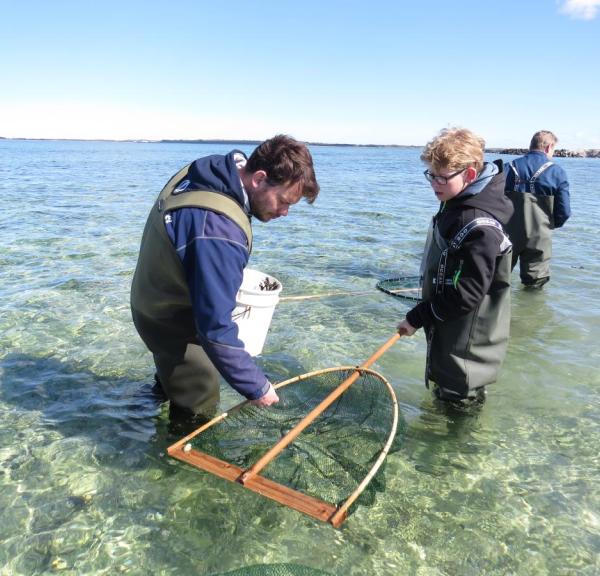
x,y
85,486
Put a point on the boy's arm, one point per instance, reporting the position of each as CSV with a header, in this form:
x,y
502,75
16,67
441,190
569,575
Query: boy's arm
x,y
470,283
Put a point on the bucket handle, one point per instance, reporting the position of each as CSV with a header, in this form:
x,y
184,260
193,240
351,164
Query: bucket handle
x,y
243,314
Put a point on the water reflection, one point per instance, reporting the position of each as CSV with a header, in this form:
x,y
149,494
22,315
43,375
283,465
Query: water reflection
x,y
85,485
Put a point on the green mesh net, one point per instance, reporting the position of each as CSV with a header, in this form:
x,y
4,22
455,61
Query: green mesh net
x,y
275,570
407,287
333,455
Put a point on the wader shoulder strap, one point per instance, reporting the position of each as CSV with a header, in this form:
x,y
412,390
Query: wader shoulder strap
x,y
213,201
462,234
531,181
173,181
537,174
458,239
517,177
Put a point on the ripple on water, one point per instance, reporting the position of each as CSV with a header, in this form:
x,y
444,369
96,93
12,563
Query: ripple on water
x,y
85,487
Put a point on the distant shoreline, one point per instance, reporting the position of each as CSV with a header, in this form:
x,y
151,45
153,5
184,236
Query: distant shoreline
x,y
559,153
207,141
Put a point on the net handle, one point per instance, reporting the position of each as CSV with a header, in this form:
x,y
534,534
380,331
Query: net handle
x,y
331,294
286,440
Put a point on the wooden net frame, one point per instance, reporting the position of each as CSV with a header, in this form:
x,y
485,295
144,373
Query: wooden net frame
x,y
250,478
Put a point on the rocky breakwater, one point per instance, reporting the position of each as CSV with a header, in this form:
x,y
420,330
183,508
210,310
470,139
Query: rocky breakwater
x,y
559,152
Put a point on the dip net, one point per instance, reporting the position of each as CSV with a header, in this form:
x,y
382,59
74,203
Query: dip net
x,y
406,287
318,450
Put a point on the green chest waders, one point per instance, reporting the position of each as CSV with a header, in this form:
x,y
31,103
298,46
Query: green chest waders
x,y
530,228
465,353
161,304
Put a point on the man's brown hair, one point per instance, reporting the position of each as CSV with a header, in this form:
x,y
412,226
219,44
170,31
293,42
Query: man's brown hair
x,y
286,161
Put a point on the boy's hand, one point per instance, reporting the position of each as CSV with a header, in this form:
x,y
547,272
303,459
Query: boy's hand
x,y
405,329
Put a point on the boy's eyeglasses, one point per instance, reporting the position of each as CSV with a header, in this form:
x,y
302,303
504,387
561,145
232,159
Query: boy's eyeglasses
x,y
431,177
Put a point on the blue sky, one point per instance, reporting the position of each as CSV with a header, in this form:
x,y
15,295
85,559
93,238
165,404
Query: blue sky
x,y
379,72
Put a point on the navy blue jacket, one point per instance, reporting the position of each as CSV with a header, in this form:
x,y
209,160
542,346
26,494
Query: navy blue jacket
x,y
214,252
551,182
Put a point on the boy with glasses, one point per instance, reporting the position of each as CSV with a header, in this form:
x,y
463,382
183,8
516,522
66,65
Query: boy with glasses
x,y
465,270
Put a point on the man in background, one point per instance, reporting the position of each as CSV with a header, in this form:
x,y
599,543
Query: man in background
x,y
194,249
539,190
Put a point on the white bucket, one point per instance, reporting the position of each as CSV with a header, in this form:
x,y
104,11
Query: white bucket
x,y
254,309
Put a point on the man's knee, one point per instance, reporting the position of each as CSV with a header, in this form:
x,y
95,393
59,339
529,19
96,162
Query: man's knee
x,y
191,382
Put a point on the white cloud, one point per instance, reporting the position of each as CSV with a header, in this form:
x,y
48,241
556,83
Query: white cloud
x,y
581,9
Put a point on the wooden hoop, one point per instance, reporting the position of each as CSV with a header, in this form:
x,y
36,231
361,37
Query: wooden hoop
x,y
295,499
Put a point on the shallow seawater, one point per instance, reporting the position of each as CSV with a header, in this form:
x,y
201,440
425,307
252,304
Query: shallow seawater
x,y
85,485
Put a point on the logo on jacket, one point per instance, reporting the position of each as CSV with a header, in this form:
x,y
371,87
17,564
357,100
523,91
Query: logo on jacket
x,y
182,187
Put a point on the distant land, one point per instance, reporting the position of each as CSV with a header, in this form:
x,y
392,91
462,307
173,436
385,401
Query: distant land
x,y
308,143
208,141
559,153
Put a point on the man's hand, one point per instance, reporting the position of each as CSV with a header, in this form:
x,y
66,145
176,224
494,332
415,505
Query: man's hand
x,y
269,398
405,329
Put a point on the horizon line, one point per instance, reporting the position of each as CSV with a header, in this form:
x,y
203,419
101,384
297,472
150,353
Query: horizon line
x,y
252,141
202,141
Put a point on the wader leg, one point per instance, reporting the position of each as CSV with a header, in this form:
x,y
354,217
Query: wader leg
x,y
184,371
191,382
535,266
478,395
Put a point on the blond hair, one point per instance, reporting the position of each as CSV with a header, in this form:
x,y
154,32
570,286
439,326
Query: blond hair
x,y
541,139
454,149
